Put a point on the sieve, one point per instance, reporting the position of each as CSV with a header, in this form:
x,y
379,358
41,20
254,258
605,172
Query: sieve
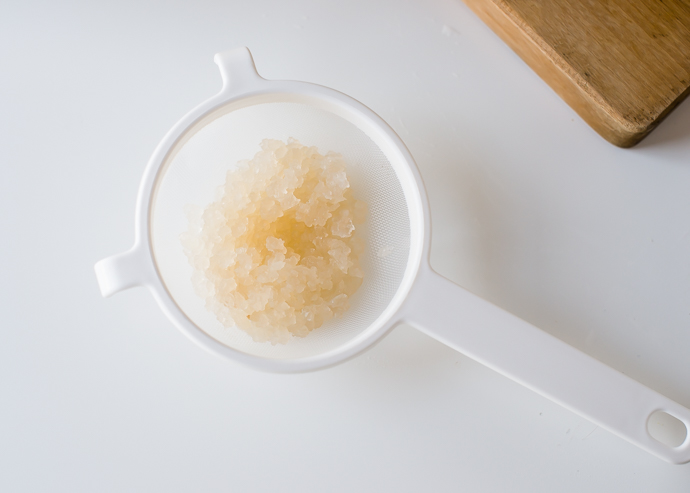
x,y
399,284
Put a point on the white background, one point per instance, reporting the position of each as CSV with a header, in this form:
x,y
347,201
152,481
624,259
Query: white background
x,y
531,209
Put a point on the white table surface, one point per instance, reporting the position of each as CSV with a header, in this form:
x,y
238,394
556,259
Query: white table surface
x,y
531,209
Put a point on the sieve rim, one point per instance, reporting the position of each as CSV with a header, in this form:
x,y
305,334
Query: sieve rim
x,y
243,87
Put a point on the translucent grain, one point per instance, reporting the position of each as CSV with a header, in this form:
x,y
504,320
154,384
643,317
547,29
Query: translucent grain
x,y
277,254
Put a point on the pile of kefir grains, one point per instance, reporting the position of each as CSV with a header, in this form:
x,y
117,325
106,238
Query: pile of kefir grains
x,y
277,254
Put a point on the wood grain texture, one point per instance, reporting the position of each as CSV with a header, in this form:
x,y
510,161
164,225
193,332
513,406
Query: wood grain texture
x,y
622,65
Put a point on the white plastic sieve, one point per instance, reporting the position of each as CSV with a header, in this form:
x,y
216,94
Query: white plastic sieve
x,y
399,284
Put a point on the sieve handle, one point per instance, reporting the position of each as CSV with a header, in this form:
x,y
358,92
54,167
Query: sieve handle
x,y
123,271
541,362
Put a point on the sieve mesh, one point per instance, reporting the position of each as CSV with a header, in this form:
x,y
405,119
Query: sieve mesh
x,y
196,169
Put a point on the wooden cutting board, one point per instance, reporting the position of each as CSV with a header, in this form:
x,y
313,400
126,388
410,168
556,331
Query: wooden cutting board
x,y
622,65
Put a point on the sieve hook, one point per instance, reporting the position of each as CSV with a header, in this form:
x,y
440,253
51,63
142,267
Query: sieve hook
x,y
237,70
123,271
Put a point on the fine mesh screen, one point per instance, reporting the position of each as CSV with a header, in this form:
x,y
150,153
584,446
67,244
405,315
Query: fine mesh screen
x,y
198,168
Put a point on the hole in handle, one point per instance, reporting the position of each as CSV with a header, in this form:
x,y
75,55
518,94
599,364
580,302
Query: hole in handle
x,y
667,429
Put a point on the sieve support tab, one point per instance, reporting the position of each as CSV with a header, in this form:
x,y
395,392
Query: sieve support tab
x,y
122,271
237,70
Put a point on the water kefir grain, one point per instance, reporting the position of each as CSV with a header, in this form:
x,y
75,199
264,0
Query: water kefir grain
x,y
277,254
